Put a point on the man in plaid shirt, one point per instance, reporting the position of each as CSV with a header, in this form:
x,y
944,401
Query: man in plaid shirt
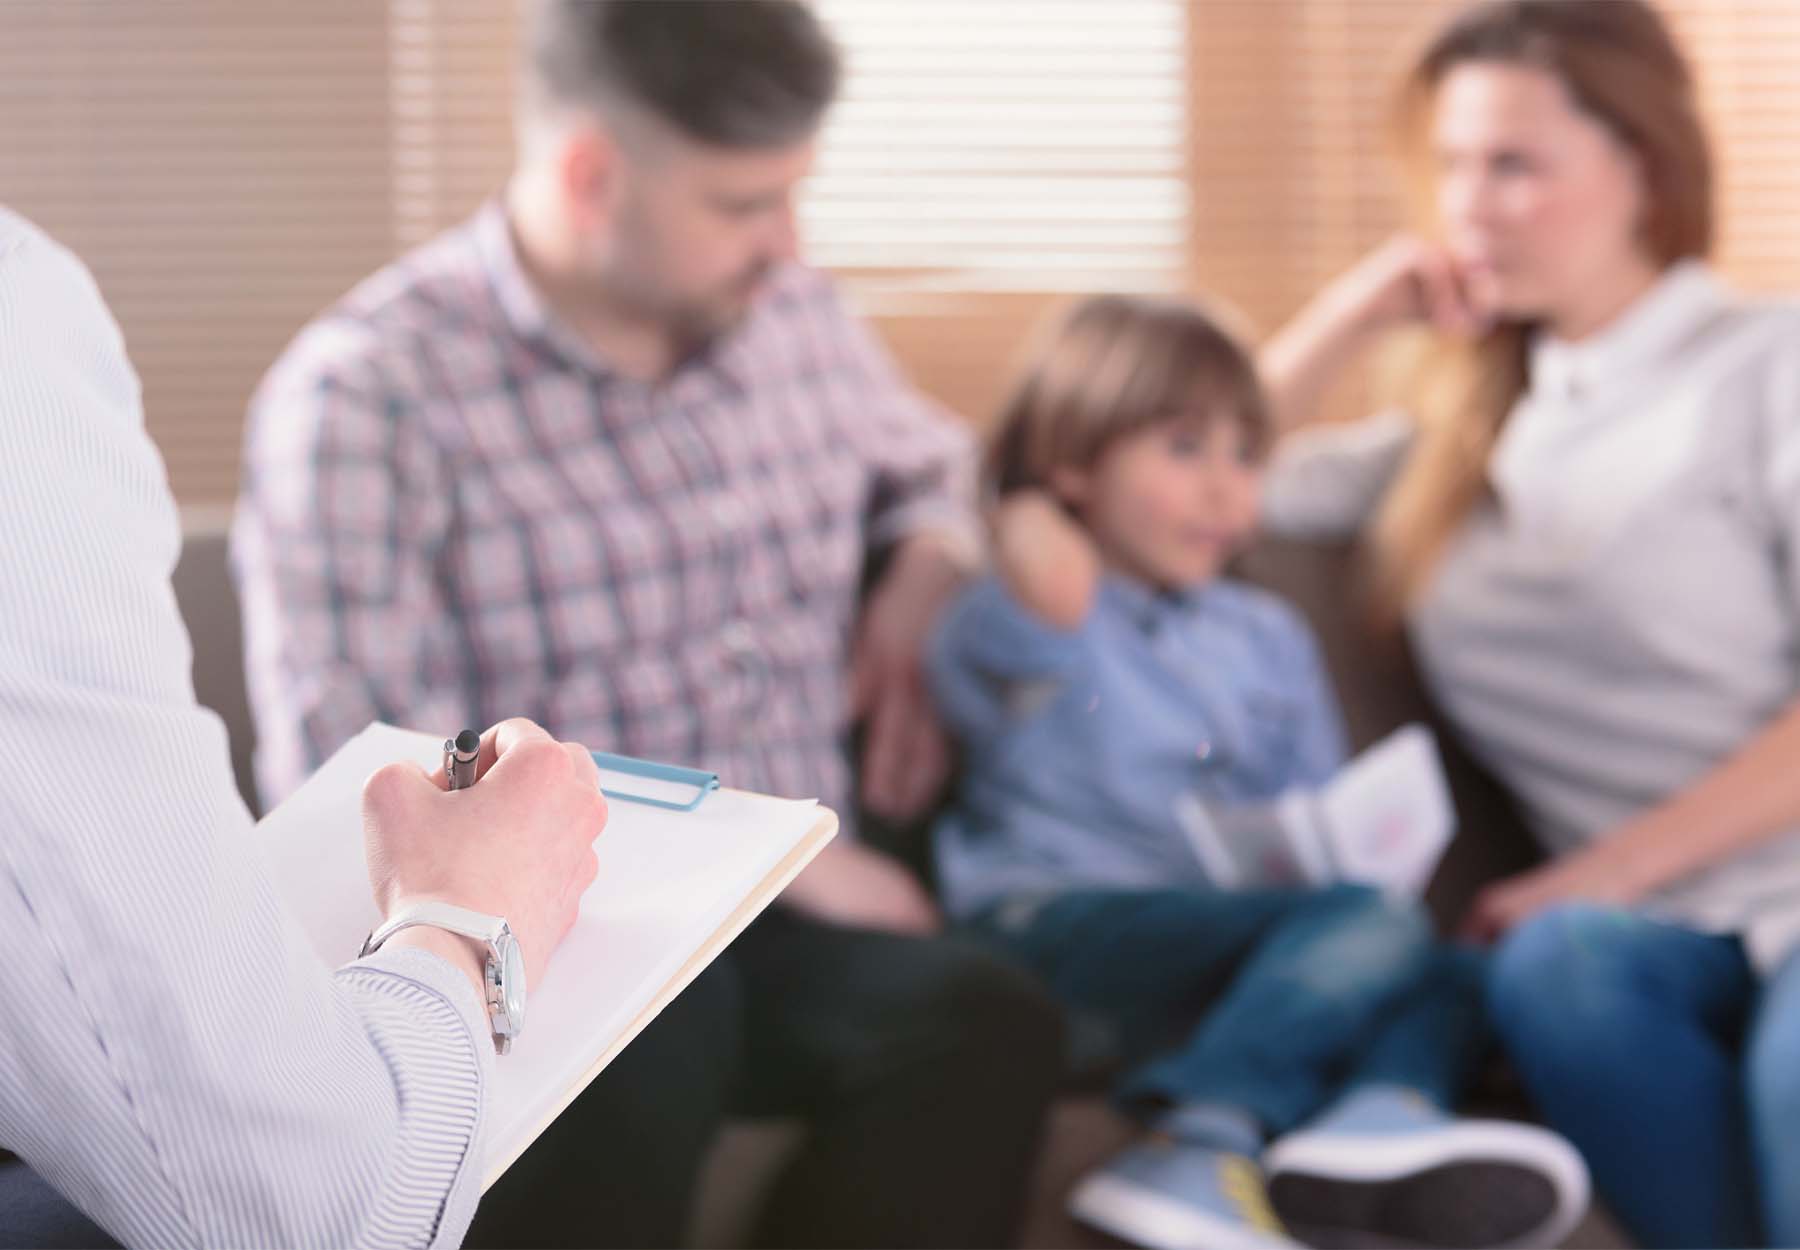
x,y
607,457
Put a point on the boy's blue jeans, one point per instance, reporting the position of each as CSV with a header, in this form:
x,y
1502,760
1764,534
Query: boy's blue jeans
x,y
1655,1049
1268,1001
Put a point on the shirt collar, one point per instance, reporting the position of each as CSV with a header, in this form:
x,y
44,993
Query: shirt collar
x,y
1684,296
525,309
1146,606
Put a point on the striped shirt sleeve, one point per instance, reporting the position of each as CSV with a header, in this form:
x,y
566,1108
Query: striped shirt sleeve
x,y
174,1059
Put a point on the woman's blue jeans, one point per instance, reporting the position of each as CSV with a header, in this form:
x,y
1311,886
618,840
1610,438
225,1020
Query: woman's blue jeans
x,y
1658,1051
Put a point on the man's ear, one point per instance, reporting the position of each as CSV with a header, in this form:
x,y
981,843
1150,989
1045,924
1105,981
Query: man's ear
x,y
588,171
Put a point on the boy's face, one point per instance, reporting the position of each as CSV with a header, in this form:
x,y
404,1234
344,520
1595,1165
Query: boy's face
x,y
1170,504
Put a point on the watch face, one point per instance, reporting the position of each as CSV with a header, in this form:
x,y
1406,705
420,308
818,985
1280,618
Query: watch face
x,y
514,985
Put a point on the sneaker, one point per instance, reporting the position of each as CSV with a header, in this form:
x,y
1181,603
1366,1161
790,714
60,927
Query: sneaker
x,y
1385,1167
1172,1195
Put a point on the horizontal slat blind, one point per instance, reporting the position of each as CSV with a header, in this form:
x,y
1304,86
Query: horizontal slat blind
x,y
1747,53
1008,145
452,91
230,166
1292,177
223,168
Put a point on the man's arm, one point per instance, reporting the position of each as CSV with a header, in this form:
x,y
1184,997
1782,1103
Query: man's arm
x,y
921,508
174,1058
342,514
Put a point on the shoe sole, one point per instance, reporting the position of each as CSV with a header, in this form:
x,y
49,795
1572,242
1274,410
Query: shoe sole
x,y
1148,1217
1462,1187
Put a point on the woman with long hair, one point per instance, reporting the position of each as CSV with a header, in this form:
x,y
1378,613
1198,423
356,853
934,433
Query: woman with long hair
x,y
1589,522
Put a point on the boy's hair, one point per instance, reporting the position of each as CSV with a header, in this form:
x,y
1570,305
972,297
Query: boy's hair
x,y
1114,365
730,73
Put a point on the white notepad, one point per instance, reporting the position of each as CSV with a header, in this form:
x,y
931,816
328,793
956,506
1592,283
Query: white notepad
x,y
674,889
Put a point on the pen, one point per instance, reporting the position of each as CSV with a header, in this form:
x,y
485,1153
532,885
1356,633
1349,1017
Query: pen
x,y
459,758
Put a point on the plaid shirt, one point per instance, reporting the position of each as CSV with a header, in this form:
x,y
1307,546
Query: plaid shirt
x,y
454,512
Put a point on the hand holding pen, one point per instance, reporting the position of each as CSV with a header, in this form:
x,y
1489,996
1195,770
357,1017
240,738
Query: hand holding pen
x,y
519,844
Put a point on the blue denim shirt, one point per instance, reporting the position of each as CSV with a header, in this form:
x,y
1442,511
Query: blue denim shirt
x,y
1077,743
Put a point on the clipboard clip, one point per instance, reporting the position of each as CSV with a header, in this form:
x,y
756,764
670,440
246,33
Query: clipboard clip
x,y
668,786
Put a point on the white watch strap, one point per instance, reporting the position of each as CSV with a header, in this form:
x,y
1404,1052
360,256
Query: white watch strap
x,y
448,916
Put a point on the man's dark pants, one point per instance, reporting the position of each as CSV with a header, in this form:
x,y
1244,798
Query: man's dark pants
x,y
921,1067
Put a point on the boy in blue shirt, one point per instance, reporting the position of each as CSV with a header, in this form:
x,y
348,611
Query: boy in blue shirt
x,y
1299,1045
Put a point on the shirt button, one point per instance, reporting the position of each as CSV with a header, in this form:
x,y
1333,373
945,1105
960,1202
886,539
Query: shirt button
x,y
738,639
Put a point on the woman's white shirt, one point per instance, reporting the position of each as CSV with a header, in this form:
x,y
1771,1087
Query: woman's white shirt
x,y
1624,614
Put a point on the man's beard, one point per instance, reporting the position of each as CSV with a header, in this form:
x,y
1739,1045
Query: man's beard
x,y
697,323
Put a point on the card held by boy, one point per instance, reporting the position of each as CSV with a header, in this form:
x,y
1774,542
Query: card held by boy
x,y
1384,820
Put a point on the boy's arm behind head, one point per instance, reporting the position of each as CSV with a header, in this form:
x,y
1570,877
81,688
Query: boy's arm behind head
x,y
1046,559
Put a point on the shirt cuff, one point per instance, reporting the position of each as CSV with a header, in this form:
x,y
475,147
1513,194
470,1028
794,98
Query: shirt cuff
x,y
442,978
1001,637
432,1029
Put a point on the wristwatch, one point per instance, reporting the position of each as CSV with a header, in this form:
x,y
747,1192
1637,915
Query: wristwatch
x,y
505,976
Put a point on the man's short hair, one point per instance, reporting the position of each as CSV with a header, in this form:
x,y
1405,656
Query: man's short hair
x,y
731,73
